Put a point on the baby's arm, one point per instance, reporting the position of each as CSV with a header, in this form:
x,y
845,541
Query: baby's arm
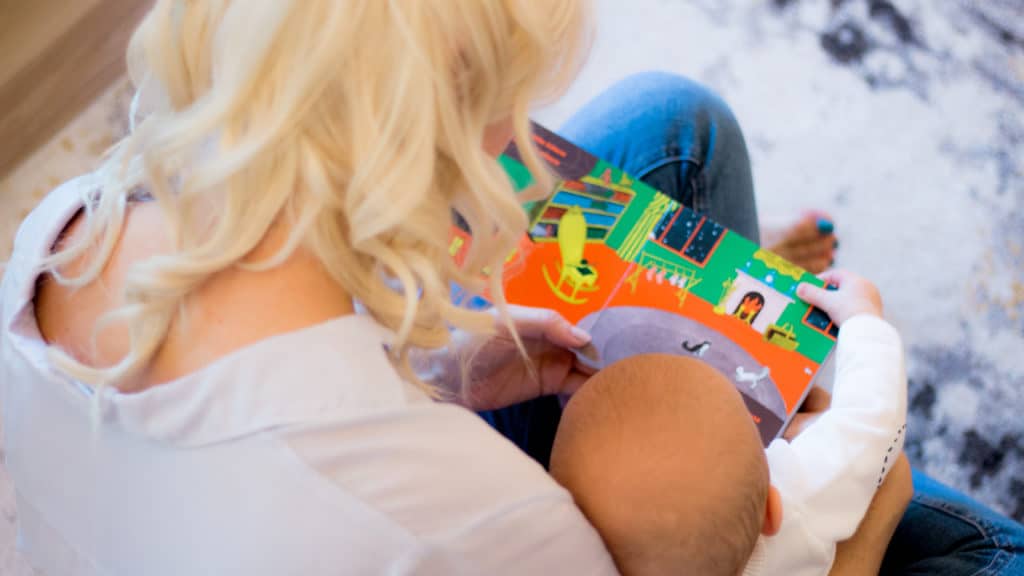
x,y
828,474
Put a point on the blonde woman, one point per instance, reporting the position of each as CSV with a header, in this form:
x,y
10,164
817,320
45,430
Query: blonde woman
x,y
207,344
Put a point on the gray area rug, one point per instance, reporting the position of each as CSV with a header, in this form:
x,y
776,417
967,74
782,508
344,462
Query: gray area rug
x,y
905,120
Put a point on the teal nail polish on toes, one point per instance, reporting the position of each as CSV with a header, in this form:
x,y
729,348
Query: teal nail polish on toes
x,y
825,226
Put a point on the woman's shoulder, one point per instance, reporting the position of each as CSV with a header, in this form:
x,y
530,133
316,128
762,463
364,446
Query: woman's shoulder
x,y
36,235
67,314
232,310
41,227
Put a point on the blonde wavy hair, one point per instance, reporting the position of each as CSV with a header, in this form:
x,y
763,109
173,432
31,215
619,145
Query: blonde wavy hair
x,y
360,122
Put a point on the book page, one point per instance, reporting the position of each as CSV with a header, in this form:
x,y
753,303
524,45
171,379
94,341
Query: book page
x,y
644,274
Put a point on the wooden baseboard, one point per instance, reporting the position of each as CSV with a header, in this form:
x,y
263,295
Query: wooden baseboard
x,y
48,85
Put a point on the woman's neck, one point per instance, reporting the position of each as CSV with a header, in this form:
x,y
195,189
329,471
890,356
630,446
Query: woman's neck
x,y
239,307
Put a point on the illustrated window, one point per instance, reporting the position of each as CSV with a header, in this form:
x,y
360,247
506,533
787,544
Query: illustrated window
x,y
690,234
817,318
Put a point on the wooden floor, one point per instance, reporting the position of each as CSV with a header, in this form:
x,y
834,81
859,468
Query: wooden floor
x,y
56,56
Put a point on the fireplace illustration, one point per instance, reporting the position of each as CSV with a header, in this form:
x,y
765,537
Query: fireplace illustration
x,y
754,301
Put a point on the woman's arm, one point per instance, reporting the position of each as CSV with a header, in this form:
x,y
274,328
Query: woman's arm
x,y
498,374
862,554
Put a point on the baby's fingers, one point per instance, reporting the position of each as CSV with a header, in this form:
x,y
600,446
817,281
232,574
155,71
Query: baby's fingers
x,y
815,296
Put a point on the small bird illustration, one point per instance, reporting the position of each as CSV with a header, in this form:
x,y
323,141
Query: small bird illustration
x,y
697,349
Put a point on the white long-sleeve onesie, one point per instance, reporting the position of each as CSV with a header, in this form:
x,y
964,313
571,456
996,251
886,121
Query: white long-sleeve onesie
x,y
828,475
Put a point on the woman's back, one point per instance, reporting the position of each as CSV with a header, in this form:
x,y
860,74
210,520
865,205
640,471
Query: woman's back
x,y
300,452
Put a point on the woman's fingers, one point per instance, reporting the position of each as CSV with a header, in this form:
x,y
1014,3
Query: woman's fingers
x,y
818,400
584,368
559,372
799,422
572,383
549,325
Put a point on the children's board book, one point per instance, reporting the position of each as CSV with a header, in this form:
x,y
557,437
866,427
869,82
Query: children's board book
x,y
645,274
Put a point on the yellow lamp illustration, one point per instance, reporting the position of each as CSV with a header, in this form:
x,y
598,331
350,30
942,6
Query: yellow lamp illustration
x,y
574,272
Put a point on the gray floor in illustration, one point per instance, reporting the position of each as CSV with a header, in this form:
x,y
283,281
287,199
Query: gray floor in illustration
x,y
905,120
626,331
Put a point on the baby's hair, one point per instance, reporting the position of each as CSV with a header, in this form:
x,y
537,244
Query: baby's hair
x,y
359,123
661,455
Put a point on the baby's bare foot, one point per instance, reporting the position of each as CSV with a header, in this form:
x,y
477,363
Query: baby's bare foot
x,y
810,242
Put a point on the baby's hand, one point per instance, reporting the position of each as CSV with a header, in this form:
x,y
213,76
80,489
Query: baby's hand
x,y
851,296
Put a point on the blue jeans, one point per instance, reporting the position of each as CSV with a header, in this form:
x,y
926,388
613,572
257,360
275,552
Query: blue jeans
x,y
683,140
945,532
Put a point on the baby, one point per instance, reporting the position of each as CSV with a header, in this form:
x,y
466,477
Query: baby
x,y
665,461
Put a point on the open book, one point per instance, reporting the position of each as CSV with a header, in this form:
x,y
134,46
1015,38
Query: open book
x,y
645,274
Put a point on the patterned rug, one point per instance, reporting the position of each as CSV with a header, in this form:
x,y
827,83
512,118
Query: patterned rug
x,y
905,120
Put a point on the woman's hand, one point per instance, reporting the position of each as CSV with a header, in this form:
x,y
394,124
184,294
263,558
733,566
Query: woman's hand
x,y
496,373
817,401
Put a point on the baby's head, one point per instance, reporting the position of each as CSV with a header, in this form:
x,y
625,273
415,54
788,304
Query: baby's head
x,y
662,456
